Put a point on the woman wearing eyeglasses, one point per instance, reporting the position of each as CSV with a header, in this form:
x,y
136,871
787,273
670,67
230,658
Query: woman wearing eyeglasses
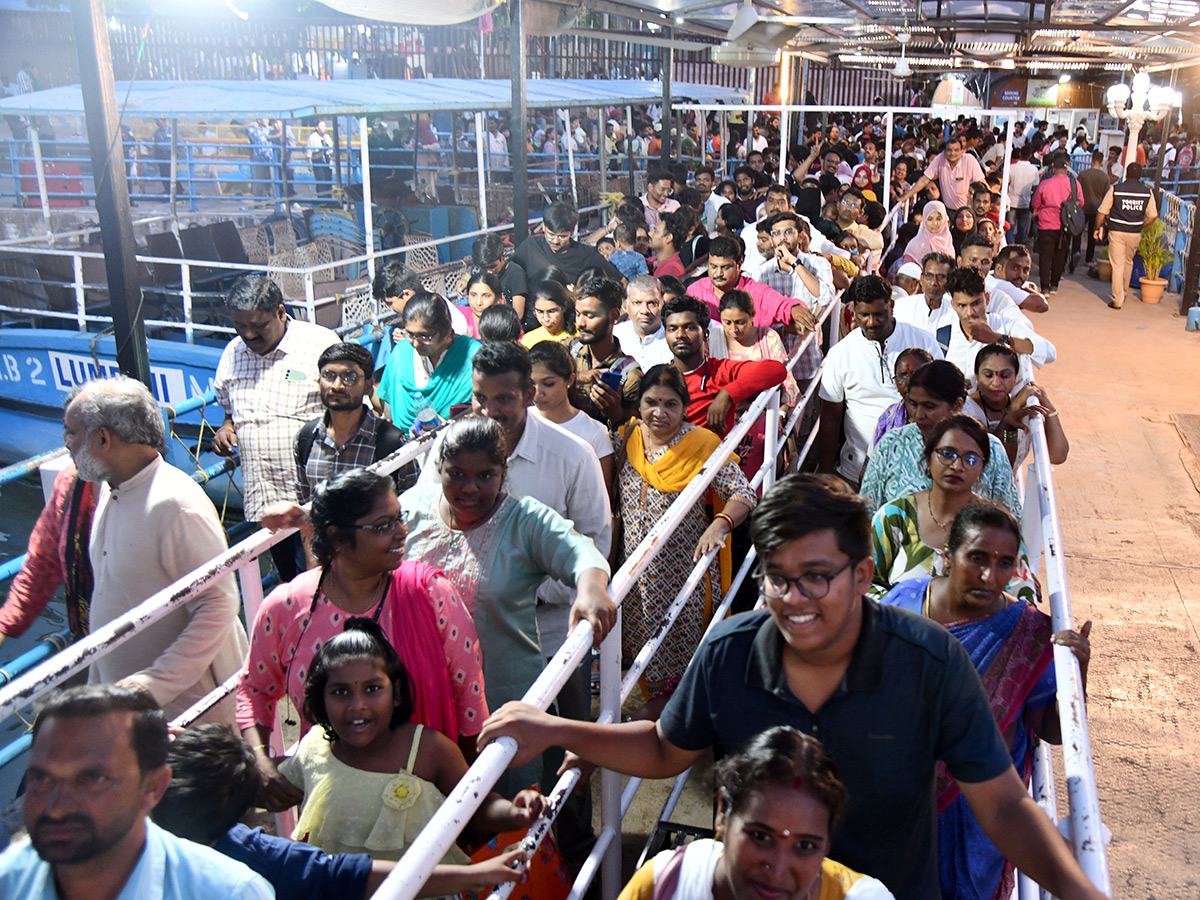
x,y
897,467
432,360
497,549
1011,645
909,534
358,541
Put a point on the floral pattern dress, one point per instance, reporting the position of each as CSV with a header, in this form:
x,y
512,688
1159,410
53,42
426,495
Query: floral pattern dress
x,y
644,608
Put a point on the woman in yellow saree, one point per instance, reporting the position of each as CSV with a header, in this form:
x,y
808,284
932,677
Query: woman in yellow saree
x,y
661,454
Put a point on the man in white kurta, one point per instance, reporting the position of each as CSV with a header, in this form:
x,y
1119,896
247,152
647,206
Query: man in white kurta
x,y
153,526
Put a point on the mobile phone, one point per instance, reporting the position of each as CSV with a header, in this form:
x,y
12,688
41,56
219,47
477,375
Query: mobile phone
x,y
612,379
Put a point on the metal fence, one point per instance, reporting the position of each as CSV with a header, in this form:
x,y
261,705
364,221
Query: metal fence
x,y
1041,517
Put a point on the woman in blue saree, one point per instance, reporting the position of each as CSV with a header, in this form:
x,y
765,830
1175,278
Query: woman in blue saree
x,y
1011,644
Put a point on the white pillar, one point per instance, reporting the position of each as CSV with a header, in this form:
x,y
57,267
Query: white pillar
x,y
368,218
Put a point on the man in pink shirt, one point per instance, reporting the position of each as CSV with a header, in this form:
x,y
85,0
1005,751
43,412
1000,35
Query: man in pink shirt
x,y
1052,242
955,172
725,274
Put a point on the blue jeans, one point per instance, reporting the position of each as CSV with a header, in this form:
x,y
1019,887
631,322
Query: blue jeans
x,y
1019,219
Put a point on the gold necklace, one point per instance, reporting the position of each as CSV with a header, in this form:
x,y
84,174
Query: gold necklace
x,y
929,505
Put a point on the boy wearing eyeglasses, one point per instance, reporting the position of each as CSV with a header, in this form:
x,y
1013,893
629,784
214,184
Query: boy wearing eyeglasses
x,y
889,695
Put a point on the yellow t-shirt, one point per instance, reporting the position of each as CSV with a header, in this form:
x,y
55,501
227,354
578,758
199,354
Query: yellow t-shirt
x,y
541,334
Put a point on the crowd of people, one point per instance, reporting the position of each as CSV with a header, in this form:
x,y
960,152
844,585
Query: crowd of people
x,y
579,386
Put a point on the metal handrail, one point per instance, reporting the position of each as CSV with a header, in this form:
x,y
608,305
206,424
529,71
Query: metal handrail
x,y
1086,832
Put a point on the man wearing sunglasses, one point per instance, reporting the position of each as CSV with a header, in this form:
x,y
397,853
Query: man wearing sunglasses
x,y
889,694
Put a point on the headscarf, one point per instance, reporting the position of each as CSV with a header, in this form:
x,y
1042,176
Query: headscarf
x,y
928,241
868,192
957,236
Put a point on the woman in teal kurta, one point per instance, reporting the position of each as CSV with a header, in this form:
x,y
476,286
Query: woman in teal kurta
x,y
433,360
496,550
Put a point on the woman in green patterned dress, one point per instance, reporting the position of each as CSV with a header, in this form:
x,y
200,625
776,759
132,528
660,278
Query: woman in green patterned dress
x,y
909,534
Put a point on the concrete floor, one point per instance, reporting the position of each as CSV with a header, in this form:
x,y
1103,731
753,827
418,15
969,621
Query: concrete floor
x,y
1129,498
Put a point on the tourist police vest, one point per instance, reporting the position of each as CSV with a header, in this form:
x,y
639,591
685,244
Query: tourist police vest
x,y
1129,207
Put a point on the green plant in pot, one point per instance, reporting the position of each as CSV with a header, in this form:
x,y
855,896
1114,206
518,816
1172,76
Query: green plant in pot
x,y
1155,253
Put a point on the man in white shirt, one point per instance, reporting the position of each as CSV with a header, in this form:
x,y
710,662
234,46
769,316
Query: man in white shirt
x,y
267,384
776,201
497,145
917,309
858,383
320,150
642,335
657,199
706,182
1004,297
759,141
965,327
1010,275
1022,179
153,525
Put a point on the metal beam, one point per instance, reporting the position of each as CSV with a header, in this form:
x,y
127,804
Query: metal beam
x,y
638,37
517,151
1118,13
112,190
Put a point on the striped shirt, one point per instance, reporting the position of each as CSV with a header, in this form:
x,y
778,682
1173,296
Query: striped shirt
x,y
269,397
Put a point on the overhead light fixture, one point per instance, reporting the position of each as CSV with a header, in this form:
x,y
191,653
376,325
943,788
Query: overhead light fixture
x,y
902,69
1008,64
1063,79
679,20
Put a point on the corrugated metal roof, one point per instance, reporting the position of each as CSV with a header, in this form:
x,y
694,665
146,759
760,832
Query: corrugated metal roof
x,y
301,98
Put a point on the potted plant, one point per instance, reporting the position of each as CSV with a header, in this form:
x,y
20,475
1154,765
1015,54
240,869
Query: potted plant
x,y
1103,264
1155,254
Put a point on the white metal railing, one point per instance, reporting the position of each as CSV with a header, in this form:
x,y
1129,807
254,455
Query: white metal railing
x,y
240,559
1083,826
442,830
313,298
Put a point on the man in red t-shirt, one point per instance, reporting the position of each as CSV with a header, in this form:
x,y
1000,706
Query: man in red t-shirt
x,y
715,386
666,237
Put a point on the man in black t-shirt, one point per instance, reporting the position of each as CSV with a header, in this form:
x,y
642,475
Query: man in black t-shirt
x,y
888,693
556,246
487,253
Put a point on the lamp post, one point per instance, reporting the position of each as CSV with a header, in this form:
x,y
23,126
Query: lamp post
x,y
1146,104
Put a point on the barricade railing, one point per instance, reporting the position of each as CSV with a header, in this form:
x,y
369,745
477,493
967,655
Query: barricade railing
x,y
1083,827
316,293
447,823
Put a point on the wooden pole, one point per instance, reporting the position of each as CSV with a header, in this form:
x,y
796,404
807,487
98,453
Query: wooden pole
x,y
112,189
517,158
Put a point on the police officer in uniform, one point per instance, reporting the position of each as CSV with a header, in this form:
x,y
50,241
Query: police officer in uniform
x,y
1126,209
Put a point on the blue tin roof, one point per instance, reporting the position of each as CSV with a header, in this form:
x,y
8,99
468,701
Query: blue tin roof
x,y
365,97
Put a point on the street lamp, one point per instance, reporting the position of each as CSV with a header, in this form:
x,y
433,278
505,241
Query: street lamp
x,y
1146,103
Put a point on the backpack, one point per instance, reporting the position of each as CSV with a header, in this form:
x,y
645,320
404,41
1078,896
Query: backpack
x,y
388,439
1071,212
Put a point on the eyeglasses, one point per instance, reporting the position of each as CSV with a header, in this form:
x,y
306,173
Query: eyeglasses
x,y
349,379
949,456
388,527
788,232
813,585
850,204
421,337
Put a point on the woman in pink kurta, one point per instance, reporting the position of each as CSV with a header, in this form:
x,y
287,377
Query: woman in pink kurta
x,y
359,539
